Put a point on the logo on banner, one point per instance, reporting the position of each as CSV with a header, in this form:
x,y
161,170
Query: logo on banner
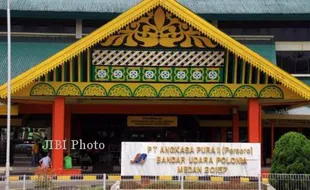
x,y
139,159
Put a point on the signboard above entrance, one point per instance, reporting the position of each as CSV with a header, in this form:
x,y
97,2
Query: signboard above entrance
x,y
152,121
190,159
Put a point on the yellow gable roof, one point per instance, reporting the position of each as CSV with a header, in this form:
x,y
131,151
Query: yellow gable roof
x,y
134,13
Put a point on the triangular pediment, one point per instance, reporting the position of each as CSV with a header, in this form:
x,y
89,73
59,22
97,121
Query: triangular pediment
x,y
159,26
159,29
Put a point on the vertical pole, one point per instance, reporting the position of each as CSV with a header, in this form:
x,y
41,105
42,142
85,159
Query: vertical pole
x,y
78,29
235,69
71,69
88,65
262,143
8,139
55,75
63,72
272,137
104,181
235,125
243,71
58,133
254,128
24,182
250,74
261,132
79,68
182,182
226,66
259,181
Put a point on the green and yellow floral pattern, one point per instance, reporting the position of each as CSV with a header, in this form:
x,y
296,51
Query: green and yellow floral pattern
x,y
154,90
220,91
145,91
69,90
195,91
94,90
42,89
120,90
246,91
271,92
170,91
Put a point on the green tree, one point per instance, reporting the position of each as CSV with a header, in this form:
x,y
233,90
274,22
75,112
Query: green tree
x,y
291,154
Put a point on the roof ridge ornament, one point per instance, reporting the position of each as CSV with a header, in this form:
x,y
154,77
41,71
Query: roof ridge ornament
x,y
159,28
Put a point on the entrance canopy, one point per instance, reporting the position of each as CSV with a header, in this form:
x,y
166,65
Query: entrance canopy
x,y
158,49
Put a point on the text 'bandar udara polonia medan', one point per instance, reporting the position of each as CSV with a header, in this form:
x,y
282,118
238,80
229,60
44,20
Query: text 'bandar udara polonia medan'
x,y
217,159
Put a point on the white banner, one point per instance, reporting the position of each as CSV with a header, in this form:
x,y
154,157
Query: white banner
x,y
192,159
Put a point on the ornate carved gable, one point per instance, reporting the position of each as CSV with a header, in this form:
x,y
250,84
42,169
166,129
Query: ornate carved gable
x,y
158,39
159,28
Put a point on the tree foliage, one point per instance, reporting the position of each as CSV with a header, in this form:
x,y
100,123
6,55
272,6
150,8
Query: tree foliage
x,y
291,154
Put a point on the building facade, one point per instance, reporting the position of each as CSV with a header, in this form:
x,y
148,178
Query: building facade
x,y
81,70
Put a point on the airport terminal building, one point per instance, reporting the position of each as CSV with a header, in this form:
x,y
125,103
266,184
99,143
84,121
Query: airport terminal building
x,y
154,70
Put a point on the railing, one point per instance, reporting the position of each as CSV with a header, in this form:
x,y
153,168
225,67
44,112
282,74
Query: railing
x,y
114,182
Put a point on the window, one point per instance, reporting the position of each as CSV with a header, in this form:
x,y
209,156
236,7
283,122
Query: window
x,y
281,30
294,62
91,25
39,25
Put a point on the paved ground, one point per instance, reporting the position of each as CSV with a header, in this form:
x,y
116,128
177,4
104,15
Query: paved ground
x,y
76,183
98,169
